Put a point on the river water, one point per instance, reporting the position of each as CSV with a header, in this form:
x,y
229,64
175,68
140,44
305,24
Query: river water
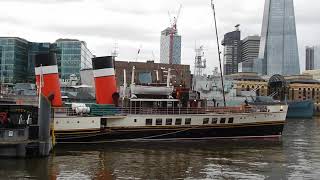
x,y
295,156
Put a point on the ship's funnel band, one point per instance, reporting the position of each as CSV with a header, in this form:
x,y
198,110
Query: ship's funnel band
x,y
103,72
46,70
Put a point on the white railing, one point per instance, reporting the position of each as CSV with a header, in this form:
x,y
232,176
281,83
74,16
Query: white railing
x,y
66,111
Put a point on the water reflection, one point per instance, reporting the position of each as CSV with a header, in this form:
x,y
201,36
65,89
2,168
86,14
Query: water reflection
x,y
297,155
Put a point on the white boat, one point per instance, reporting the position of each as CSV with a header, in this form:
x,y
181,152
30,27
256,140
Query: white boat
x,y
170,123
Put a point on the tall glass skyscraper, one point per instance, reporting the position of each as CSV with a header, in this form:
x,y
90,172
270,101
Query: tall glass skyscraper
x,y
278,46
72,56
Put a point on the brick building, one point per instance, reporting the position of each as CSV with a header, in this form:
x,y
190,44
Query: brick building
x,y
150,72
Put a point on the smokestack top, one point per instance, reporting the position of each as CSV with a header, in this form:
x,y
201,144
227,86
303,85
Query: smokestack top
x,y
47,59
103,62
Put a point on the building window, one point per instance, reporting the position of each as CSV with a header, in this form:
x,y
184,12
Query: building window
x,y
178,121
230,121
205,120
222,120
214,121
187,121
158,122
168,122
148,122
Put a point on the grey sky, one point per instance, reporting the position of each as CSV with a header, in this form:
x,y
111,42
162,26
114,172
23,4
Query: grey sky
x,y
135,24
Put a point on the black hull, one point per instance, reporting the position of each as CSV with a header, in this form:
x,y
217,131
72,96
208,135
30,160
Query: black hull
x,y
172,133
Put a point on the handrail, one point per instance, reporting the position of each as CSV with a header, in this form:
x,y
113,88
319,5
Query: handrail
x,y
68,111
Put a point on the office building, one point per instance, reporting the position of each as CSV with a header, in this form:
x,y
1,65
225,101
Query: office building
x,y
249,53
312,57
72,56
278,52
17,58
34,49
13,59
231,52
165,47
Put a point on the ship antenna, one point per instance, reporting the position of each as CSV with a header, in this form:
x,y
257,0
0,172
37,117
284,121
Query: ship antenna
x,y
219,52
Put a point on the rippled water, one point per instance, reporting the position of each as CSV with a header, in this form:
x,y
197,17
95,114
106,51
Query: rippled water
x,y
295,156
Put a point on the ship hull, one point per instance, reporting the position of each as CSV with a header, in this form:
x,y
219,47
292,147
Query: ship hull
x,y
232,131
300,109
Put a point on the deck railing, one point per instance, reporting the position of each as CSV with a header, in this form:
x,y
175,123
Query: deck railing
x,y
65,111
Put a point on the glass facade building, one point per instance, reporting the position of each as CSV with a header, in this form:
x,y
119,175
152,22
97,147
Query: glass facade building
x,y
278,52
13,59
249,53
165,47
17,58
312,57
72,56
34,49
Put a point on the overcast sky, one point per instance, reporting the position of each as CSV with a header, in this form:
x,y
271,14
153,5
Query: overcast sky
x,y
137,24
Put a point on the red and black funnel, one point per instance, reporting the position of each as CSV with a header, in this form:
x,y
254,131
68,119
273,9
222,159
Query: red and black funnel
x,y
104,77
46,66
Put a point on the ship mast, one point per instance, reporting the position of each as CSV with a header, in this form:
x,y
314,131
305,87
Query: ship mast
x,y
219,52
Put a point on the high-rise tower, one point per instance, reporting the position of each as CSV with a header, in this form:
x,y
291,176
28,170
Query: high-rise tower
x,y
232,51
278,46
165,47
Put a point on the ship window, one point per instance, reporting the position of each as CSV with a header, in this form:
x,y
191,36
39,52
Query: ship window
x,y
178,121
103,122
168,121
230,121
214,120
222,120
135,120
205,120
187,121
149,122
158,122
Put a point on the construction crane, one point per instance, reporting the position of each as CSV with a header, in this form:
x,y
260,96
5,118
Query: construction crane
x,y
173,31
